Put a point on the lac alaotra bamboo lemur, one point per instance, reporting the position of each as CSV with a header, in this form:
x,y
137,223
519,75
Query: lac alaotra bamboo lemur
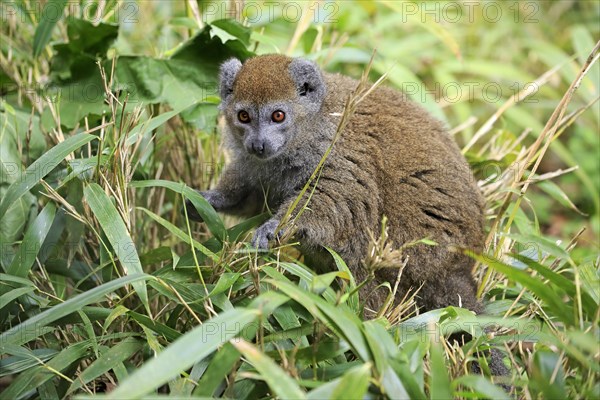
x,y
392,159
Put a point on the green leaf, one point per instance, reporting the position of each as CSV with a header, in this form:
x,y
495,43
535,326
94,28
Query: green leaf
x,y
279,381
180,355
115,230
42,167
589,304
339,318
439,385
180,234
534,284
483,387
541,244
354,383
32,242
107,361
35,377
209,215
219,367
7,298
51,14
353,300
152,124
169,333
24,360
32,327
543,375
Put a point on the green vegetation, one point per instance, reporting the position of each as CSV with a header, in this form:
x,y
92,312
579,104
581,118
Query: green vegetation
x,y
108,119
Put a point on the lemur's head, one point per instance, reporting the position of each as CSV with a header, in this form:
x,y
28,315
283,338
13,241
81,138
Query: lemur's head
x,y
266,100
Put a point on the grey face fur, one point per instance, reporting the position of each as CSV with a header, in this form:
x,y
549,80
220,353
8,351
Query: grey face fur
x,y
296,96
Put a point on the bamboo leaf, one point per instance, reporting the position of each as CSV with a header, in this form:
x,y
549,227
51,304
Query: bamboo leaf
x,y
32,327
279,381
107,361
439,385
32,242
115,230
209,215
180,355
180,234
42,167
51,14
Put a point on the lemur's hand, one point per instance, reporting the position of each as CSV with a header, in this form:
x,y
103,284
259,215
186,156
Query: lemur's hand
x,y
264,234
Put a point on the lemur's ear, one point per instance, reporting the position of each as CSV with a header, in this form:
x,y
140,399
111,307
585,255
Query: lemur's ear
x,y
228,72
308,79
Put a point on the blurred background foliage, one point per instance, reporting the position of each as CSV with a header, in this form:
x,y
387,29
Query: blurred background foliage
x,y
107,106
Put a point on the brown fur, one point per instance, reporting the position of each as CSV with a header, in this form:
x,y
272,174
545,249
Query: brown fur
x,y
394,159
261,80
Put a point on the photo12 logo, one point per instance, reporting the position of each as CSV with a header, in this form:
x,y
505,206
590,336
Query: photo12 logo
x,y
54,11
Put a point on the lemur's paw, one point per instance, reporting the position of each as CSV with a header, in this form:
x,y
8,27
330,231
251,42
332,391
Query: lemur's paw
x,y
264,234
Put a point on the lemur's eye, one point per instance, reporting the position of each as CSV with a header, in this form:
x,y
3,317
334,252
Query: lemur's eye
x,y
244,117
278,116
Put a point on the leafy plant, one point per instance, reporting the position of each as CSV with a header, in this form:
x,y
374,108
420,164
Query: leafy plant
x,y
106,125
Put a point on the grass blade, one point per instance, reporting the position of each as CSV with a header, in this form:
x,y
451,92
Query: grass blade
x,y
354,383
37,376
181,235
32,242
52,13
111,358
439,385
115,230
185,352
279,381
42,167
483,387
209,215
19,334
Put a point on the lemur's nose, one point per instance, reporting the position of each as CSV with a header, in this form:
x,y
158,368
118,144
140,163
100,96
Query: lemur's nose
x,y
258,147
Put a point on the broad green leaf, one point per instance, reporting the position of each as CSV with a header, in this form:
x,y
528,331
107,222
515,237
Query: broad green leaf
x,y
35,377
19,333
439,384
42,167
541,244
51,14
144,321
22,361
152,124
590,305
282,385
8,297
32,242
339,318
534,284
180,234
353,300
482,387
545,377
219,367
115,230
209,215
180,355
354,383
11,278
107,361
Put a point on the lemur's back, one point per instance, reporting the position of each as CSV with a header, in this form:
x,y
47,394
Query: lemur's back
x,y
398,161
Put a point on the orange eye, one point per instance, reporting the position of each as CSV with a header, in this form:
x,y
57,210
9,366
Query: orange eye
x,y
243,117
278,116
